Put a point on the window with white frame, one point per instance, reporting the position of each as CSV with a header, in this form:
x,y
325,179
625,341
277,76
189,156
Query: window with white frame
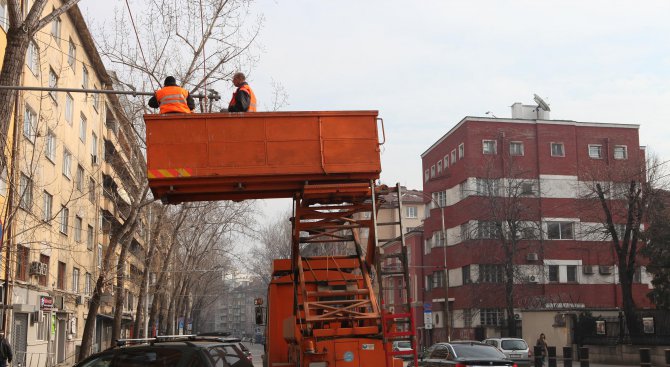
x,y
492,316
560,230
84,77
467,317
439,166
67,163
620,152
453,157
553,273
69,108
55,29
438,279
410,211
96,99
557,150
88,286
465,231
488,186
71,54
432,171
516,148
491,273
99,256
89,237
94,146
30,124
426,246
79,178
47,207
438,239
489,146
64,218
595,151
487,230
426,175
75,280
33,58
78,224
91,190
440,198
26,192
50,148
446,161
571,273
461,150
465,273
53,83
82,128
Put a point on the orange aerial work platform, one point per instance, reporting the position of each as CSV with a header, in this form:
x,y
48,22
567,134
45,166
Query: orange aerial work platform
x,y
237,156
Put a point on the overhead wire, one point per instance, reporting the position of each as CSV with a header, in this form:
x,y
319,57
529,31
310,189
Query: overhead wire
x,y
204,55
137,36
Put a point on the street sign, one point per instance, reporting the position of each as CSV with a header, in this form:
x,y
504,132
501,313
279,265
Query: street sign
x,y
428,319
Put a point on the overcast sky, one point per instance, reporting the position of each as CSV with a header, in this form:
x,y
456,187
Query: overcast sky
x,y
427,64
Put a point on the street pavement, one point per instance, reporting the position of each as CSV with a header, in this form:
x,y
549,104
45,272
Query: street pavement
x,y
257,352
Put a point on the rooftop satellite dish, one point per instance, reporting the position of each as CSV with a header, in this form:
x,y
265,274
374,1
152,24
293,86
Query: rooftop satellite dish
x,y
541,103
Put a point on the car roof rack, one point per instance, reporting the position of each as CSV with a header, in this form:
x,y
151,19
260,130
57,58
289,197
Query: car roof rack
x,y
188,338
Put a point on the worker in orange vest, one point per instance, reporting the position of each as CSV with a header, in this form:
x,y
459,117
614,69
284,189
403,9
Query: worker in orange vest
x,y
172,98
244,99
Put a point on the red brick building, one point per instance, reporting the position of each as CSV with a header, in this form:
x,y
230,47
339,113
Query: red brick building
x,y
538,172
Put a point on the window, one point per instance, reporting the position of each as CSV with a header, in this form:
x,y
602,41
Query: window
x,y
79,178
69,108
489,146
453,157
446,161
48,206
410,211
43,280
528,233
439,167
78,223
527,188
491,273
467,318
620,152
75,280
71,54
55,29
487,230
50,149
96,98
67,162
440,198
94,148
492,316
466,274
461,151
560,230
88,289
516,148
572,273
64,217
60,283
33,58
99,256
438,239
595,151
43,327
432,171
53,83
3,182
438,279
89,238
26,192
91,190
553,273
84,77
22,261
465,231
557,150
4,15
488,186
30,124
82,129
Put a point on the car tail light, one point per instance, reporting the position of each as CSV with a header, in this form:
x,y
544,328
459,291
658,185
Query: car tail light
x,y
530,353
460,365
515,365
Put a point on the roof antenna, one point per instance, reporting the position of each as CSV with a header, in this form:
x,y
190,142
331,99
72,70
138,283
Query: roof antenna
x,y
491,113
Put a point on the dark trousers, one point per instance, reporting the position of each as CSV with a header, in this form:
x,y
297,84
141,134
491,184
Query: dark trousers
x,y
3,363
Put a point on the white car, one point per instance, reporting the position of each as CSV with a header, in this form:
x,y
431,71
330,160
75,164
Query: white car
x,y
514,348
401,346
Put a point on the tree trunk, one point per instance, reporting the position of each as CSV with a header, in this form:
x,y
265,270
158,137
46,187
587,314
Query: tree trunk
x,y
120,290
509,298
146,274
629,309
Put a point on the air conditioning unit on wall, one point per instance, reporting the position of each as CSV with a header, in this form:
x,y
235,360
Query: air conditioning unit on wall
x,y
605,269
588,269
532,256
38,268
531,279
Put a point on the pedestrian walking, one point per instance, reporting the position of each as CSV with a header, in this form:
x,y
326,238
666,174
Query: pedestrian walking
x,y
6,354
542,342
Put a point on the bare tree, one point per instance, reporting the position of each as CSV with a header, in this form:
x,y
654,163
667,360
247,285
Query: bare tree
x,y
275,243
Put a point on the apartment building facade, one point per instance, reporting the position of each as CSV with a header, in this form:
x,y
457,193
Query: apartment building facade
x,y
561,259
57,212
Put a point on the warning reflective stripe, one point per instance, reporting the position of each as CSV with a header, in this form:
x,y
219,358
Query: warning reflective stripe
x,y
169,172
172,98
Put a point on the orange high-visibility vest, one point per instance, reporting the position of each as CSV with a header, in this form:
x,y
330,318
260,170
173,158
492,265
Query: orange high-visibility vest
x,y
252,98
172,99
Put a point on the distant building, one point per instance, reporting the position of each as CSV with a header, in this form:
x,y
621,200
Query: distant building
x,y
559,263
235,313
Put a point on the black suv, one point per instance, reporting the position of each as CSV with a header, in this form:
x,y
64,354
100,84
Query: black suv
x,y
187,351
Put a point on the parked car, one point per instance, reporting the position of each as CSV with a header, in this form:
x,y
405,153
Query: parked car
x,y
177,351
403,346
514,348
225,337
462,354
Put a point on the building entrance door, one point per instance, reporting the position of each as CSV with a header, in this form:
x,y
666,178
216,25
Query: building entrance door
x,y
61,339
20,337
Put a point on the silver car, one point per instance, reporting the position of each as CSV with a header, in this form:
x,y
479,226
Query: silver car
x,y
514,348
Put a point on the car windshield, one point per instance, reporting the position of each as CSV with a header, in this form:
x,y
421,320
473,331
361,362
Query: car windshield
x,y
514,345
404,345
476,351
